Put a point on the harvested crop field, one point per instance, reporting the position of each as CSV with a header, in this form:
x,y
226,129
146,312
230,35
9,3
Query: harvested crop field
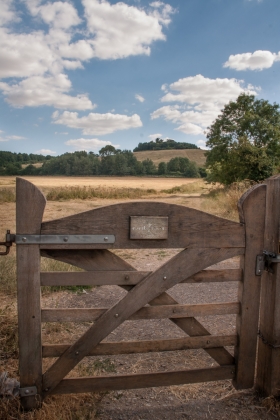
x,y
195,155
214,400
105,182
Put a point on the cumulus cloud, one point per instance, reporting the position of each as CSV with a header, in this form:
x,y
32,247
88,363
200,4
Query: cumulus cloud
x,y
45,53
155,136
257,60
58,14
200,101
111,40
97,124
45,152
89,144
139,98
39,90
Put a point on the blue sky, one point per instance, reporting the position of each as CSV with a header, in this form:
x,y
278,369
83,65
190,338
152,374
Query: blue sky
x,y
82,74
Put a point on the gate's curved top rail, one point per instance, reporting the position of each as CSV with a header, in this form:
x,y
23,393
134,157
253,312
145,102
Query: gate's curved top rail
x,y
186,227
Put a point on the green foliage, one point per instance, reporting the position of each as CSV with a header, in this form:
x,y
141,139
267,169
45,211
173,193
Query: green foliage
x,y
182,167
160,144
244,141
162,168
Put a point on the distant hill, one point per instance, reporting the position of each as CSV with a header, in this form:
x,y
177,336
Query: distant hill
x,y
195,155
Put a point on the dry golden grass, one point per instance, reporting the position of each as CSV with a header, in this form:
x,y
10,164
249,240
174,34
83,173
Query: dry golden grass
x,y
195,155
47,182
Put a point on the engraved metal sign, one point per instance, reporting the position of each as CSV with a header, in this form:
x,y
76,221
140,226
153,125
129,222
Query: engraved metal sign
x,y
148,227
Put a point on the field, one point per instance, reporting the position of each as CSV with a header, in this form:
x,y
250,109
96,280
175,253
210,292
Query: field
x,y
217,400
195,155
104,182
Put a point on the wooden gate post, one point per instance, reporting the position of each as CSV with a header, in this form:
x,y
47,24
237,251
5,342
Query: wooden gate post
x,y
268,360
30,204
252,214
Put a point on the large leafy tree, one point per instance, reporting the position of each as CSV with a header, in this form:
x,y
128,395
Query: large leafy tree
x,y
244,141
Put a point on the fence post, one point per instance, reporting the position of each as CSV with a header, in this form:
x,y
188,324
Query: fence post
x,y
268,361
252,213
30,204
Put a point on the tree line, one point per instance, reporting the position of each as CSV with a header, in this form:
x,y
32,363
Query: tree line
x,y
109,161
160,144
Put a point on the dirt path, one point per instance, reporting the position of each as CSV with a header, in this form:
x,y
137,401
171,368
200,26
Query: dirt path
x,y
216,400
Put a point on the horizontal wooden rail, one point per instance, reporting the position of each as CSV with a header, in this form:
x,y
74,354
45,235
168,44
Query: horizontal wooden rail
x,y
128,278
155,312
143,346
145,380
92,278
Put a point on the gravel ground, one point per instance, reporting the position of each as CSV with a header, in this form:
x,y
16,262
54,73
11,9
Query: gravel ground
x,y
215,400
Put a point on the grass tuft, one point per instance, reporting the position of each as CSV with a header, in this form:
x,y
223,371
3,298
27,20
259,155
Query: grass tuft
x,y
88,193
7,195
222,201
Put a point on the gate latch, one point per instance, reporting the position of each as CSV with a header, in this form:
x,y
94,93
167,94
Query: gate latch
x,y
265,261
10,238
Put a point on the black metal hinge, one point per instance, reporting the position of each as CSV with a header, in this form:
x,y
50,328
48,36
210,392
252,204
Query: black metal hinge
x,y
10,238
265,260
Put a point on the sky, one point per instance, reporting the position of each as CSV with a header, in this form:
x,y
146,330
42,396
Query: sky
x,y
81,74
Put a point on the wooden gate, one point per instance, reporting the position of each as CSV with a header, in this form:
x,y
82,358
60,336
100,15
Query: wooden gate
x,y
84,240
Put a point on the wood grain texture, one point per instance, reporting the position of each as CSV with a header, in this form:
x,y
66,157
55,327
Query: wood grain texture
x,y
90,260
194,328
157,312
93,384
252,214
186,227
185,264
87,260
89,278
143,346
30,204
124,278
268,363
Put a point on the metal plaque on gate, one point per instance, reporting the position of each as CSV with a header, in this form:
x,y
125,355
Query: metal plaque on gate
x,y
148,227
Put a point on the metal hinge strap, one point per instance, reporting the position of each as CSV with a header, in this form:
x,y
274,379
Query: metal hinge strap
x,y
267,343
28,391
265,260
63,239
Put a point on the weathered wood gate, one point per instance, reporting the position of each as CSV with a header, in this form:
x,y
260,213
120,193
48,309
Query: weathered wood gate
x,y
84,240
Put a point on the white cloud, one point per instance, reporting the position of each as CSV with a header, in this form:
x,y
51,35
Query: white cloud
x,y
200,101
58,14
139,98
7,12
89,144
39,90
111,23
155,136
45,152
45,53
97,124
16,138
202,144
257,60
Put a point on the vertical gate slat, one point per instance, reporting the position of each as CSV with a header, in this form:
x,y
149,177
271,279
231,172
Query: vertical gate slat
x,y
30,204
252,213
268,366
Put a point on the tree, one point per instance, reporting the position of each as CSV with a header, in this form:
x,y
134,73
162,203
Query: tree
x,y
244,141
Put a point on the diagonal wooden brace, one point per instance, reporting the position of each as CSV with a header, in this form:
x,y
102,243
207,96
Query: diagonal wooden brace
x,y
185,264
